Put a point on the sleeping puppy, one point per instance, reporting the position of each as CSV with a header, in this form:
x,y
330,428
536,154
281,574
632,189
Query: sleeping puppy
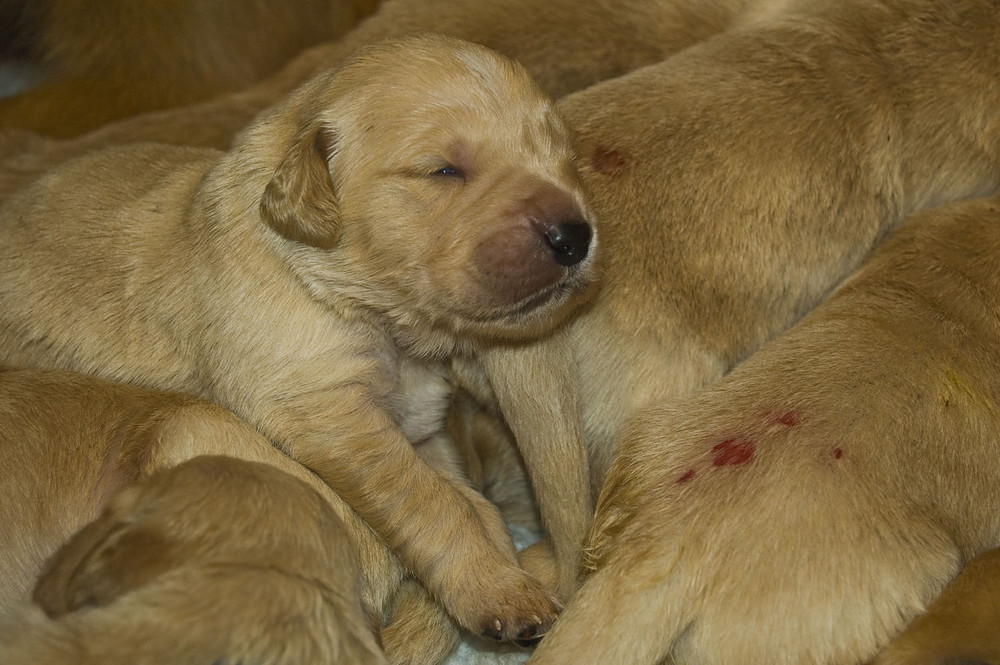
x,y
563,48
419,202
214,560
71,441
807,506
737,183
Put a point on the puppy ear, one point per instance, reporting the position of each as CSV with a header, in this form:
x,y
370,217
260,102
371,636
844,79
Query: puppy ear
x,y
300,202
106,559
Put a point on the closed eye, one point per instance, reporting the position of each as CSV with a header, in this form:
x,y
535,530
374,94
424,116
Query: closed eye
x,y
451,171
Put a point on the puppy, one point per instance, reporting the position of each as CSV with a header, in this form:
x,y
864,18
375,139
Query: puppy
x,y
804,508
712,249
419,202
71,441
960,626
726,216
214,560
737,183
563,48
119,58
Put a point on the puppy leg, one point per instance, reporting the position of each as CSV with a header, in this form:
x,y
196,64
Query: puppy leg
x,y
961,626
440,453
550,438
445,542
823,493
495,465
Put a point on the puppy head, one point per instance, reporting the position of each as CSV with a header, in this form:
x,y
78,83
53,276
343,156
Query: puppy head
x,y
439,183
207,510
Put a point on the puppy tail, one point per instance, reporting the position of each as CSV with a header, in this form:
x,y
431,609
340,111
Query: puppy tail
x,y
626,612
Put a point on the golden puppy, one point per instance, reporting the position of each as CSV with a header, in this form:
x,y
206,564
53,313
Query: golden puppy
x,y
960,626
416,203
70,441
743,178
564,48
738,181
214,560
822,494
117,58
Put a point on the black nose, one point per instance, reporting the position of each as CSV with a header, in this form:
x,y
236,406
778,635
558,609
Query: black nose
x,y
569,242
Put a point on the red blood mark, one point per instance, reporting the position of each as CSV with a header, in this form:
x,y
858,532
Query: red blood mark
x,y
733,452
789,419
786,418
838,453
608,161
686,477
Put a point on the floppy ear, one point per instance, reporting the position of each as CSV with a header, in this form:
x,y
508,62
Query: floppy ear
x,y
106,559
300,202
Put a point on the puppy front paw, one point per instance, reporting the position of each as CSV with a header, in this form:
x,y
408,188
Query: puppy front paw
x,y
509,607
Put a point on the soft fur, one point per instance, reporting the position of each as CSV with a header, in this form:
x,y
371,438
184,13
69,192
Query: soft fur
x,y
564,49
419,202
71,441
168,563
117,58
215,560
742,179
737,182
961,626
805,507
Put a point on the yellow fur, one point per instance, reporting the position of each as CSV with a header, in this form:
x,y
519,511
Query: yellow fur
x,y
806,506
291,279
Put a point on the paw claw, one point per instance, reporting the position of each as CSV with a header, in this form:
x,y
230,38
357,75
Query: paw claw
x,y
494,632
531,635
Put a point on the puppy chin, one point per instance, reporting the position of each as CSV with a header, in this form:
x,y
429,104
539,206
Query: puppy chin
x,y
534,313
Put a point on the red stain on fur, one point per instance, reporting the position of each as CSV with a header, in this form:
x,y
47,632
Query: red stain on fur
x,y
734,452
686,477
608,161
838,453
789,419
785,418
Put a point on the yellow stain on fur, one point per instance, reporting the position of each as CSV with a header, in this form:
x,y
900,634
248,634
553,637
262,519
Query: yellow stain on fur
x,y
959,390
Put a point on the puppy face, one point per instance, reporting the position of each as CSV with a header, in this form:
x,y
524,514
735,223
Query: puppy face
x,y
450,199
